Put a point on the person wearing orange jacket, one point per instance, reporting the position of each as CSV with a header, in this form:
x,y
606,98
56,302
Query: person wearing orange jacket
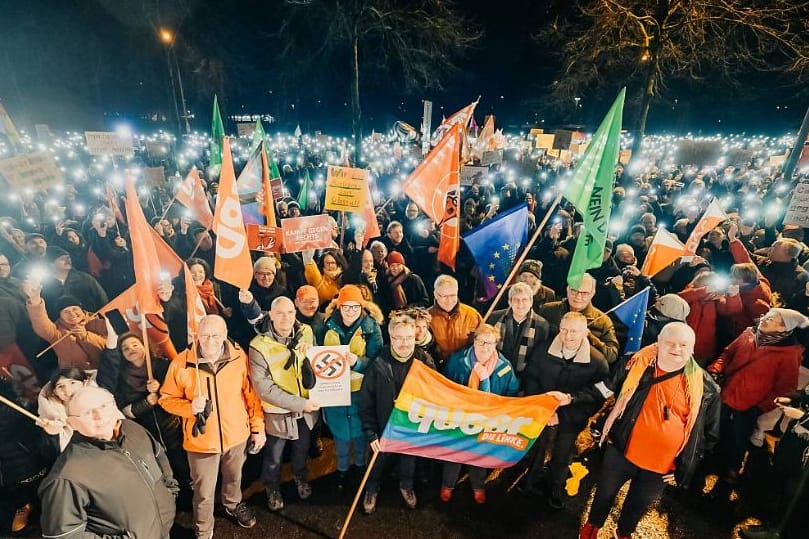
x,y
208,386
452,322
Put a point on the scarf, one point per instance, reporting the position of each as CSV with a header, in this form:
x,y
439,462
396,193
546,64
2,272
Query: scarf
x,y
208,297
637,365
428,338
767,339
395,282
481,371
527,336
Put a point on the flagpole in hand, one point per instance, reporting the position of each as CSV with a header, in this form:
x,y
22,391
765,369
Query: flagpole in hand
x,y
365,477
519,261
145,338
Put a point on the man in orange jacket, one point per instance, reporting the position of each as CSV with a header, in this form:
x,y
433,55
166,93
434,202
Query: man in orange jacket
x,y
209,388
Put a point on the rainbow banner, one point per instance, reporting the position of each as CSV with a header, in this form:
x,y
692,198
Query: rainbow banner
x,y
436,418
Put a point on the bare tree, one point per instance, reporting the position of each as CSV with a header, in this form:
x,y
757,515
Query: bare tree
x,y
651,41
418,39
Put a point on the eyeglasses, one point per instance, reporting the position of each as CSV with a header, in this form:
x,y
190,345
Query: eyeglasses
x,y
446,296
265,274
579,292
351,308
92,412
481,342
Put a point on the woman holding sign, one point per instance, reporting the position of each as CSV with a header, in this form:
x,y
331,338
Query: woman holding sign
x,y
352,324
483,368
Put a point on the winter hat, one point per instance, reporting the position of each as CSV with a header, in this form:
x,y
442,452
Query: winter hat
x,y
533,267
608,245
637,229
306,291
33,236
351,293
53,252
395,257
673,306
67,301
792,318
293,204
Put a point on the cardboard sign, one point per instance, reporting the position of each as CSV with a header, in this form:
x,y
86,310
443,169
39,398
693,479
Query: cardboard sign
x,y
332,375
277,187
302,233
625,157
43,131
471,175
346,189
245,129
545,141
37,170
798,209
157,150
264,238
108,143
154,176
491,158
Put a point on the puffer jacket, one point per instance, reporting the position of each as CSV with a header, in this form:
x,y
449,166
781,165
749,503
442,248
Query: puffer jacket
x,y
706,307
235,408
755,375
502,381
121,488
364,339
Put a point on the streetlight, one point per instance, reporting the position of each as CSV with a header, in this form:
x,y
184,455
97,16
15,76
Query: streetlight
x,y
168,38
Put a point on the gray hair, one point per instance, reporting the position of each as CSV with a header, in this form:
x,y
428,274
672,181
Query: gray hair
x,y
445,280
520,288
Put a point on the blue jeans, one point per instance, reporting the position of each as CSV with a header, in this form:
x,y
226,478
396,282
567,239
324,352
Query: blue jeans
x,y
344,452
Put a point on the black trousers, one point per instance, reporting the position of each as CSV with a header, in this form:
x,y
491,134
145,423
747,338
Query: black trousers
x,y
561,445
735,428
645,489
274,452
407,469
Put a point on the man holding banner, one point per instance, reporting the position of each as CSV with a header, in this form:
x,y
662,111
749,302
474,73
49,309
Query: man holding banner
x,y
382,382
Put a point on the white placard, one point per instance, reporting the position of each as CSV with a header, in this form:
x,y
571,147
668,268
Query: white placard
x,y
798,209
109,143
332,375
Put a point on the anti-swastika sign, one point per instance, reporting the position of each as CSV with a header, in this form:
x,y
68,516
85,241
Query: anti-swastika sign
x,y
330,364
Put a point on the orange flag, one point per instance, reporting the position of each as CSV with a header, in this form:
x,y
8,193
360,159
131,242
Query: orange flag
x,y
664,250
435,188
232,264
713,215
268,209
193,303
112,201
191,194
144,255
156,328
369,216
485,138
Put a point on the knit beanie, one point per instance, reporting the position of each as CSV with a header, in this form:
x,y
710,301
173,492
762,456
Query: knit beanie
x,y
351,293
395,257
792,318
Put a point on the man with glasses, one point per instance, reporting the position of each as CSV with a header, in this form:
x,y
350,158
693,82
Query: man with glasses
x,y
112,480
522,329
255,301
452,322
382,383
208,386
602,332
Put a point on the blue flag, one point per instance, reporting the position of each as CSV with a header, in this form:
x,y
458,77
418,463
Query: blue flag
x,y
632,313
496,244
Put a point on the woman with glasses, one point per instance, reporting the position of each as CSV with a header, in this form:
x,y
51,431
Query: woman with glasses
x,y
480,367
327,277
352,324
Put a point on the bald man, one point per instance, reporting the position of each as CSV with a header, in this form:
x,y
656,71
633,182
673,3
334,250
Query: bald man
x,y
209,387
666,416
134,497
283,376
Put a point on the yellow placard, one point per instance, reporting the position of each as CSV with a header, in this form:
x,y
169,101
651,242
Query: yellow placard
x,y
346,189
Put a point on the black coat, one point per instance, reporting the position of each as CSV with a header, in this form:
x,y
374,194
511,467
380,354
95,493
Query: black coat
x,y
585,382
379,390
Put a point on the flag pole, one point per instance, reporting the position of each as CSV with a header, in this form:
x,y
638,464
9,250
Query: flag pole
x,y
166,212
605,313
147,356
196,247
518,262
93,316
17,407
365,477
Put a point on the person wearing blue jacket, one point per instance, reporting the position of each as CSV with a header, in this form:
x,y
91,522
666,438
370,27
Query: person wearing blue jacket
x,y
480,367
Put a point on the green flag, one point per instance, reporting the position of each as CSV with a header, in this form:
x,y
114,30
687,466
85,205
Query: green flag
x,y
303,195
258,136
590,192
217,135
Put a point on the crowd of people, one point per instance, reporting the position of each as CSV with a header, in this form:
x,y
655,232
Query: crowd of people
x,y
722,372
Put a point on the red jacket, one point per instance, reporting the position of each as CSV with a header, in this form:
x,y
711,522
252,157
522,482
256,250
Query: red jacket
x,y
704,309
755,375
755,301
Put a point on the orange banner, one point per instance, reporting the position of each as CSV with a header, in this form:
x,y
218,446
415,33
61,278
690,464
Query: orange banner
x,y
302,233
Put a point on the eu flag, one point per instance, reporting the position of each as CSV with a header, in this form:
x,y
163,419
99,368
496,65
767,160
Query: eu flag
x,y
496,244
632,313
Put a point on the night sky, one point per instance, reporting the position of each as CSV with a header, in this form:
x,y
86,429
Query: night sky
x,y
88,64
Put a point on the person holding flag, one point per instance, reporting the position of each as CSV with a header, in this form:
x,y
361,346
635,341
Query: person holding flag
x,y
568,366
382,383
480,367
666,416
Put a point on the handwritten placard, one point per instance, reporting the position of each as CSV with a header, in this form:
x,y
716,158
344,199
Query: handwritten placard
x,y
36,170
798,210
346,189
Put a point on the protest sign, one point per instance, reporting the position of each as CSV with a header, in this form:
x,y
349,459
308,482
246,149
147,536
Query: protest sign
x,y
154,176
491,158
625,157
698,152
43,131
264,238
34,170
157,150
302,233
471,175
545,141
109,143
332,375
798,209
245,129
346,189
